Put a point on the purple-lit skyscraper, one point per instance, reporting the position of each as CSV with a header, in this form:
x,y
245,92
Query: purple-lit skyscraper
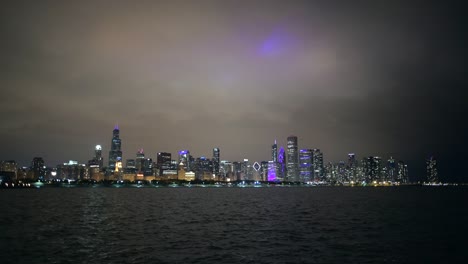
x,y
281,165
272,169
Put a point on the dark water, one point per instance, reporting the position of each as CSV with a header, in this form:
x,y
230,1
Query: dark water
x,y
234,225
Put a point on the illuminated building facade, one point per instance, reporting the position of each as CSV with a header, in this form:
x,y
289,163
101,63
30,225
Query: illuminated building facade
x,y
373,169
391,170
38,168
402,172
226,169
305,165
281,166
274,152
351,168
184,157
292,172
72,171
237,170
163,162
317,161
216,162
96,163
98,156
431,170
139,161
115,153
8,170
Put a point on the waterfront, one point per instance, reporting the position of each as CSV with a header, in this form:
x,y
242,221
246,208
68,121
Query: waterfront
x,y
234,225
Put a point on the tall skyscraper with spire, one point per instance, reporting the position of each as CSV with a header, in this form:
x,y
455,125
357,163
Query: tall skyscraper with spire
x,y
216,161
292,173
115,153
274,152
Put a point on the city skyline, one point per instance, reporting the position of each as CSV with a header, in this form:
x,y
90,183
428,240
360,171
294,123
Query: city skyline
x,y
370,78
299,165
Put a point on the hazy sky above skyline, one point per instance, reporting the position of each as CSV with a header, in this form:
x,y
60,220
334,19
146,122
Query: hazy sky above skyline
x,y
371,77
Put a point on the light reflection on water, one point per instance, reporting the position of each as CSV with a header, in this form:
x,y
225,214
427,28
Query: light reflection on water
x,y
232,225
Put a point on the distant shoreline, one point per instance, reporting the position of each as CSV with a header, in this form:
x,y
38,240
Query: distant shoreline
x,y
201,184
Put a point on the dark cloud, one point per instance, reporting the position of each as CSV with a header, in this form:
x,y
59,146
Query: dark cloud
x,y
371,77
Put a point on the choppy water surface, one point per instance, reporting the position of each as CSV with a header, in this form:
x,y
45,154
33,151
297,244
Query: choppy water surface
x,y
234,225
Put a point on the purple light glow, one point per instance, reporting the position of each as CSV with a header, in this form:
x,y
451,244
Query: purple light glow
x,y
277,43
271,171
281,155
183,152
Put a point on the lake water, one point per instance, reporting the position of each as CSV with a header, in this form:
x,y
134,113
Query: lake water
x,y
234,225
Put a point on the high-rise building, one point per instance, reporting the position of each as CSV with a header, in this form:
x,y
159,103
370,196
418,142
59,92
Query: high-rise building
x,y
147,167
226,169
130,164
281,169
96,162
140,159
216,161
184,157
391,170
237,170
163,162
72,171
115,153
272,171
373,169
245,170
8,170
402,172
38,168
98,155
274,152
317,161
351,167
305,165
431,169
292,172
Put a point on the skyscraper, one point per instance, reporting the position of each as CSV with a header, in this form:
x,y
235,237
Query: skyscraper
x,y
184,157
391,170
281,165
38,168
163,162
139,161
274,152
373,169
351,167
98,156
402,173
216,161
292,162
115,153
305,165
317,160
431,168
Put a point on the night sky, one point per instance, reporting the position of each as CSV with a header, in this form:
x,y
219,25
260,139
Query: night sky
x,y
382,78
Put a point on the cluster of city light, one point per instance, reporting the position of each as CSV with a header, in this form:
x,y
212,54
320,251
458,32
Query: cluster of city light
x,y
287,165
